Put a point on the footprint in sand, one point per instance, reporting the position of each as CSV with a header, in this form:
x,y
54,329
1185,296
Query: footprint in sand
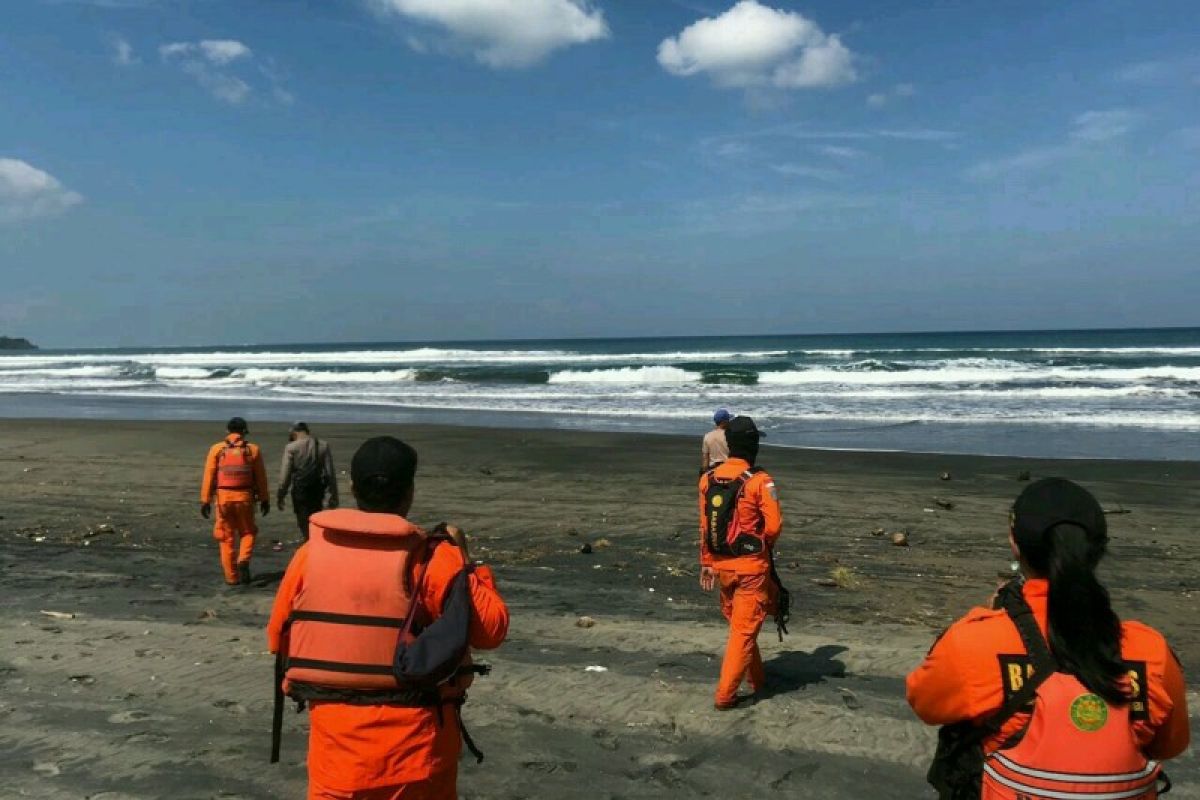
x,y
47,768
147,738
548,767
232,706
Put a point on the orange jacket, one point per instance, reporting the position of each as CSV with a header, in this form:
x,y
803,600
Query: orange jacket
x,y
208,486
980,660
366,747
758,509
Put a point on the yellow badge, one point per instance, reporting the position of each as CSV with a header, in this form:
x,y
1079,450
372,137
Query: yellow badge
x,y
717,500
1089,713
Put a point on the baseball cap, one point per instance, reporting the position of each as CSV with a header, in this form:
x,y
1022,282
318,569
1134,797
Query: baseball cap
x,y
237,425
1051,502
384,464
722,415
300,426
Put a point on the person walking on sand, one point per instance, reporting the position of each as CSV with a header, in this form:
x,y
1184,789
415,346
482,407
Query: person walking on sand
x,y
714,449
234,476
308,473
740,520
383,726
1107,696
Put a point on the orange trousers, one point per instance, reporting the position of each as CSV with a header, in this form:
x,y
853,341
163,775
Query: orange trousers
x,y
745,602
235,529
435,787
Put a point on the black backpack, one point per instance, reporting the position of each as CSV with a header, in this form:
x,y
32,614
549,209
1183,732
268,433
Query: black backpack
x,y
722,536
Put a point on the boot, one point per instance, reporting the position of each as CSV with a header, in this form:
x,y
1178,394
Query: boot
x,y
243,570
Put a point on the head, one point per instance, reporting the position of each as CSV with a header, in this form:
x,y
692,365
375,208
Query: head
x,y
237,425
382,475
1058,531
742,436
722,417
299,429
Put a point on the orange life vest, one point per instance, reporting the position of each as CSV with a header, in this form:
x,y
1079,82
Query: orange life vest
x,y
364,574
1077,745
235,468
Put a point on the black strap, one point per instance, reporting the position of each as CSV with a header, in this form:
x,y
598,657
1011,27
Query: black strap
x,y
1044,663
277,711
783,597
347,619
347,667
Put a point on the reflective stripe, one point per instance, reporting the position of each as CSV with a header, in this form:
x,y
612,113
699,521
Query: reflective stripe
x,y
1052,794
1076,777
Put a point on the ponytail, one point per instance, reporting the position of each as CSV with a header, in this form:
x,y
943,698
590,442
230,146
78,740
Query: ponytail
x,y
1084,631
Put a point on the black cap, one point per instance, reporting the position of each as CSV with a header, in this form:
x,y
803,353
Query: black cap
x,y
383,465
237,425
1051,502
299,426
743,427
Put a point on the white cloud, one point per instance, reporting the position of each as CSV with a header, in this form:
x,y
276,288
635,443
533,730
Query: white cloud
x,y
805,171
123,54
212,63
752,45
507,33
897,92
1089,132
836,151
1101,126
27,192
1161,72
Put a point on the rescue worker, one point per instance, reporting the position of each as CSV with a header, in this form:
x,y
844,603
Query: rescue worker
x,y
366,742
714,449
1052,636
234,476
740,520
307,472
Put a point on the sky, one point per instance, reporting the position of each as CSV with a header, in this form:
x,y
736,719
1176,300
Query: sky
x,y
191,172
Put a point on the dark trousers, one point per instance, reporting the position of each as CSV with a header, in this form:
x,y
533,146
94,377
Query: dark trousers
x,y
305,505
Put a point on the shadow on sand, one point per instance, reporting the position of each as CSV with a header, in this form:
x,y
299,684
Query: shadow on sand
x,y
794,670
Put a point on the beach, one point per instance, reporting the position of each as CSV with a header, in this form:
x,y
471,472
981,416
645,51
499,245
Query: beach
x,y
150,679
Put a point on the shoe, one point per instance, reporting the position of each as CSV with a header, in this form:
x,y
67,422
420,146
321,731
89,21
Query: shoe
x,y
737,702
243,570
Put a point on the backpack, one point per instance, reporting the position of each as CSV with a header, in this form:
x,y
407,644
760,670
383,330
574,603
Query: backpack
x,y
235,467
723,534
310,481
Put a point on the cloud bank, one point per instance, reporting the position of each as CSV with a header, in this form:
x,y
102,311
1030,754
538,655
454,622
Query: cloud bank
x,y
27,192
752,45
507,34
206,61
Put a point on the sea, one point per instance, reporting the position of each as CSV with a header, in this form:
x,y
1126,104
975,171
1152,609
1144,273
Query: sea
x,y
1067,394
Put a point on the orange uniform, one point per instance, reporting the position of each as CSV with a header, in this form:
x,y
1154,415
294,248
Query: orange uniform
x,y
747,592
980,661
235,507
358,752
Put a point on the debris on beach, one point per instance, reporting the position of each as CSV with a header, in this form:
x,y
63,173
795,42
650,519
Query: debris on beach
x,y
878,532
595,668
829,583
99,530
585,622
850,699
943,504
586,549
58,614
945,476
601,543
1117,510
83,680
900,539
208,613
1023,475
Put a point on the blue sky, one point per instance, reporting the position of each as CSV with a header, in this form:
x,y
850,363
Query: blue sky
x,y
227,171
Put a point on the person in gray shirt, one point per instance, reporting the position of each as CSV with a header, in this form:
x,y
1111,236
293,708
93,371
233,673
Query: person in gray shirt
x,y
308,473
715,450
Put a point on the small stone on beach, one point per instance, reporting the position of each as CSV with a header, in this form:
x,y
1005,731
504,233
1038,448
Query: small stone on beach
x,y
586,549
900,539
585,622
945,476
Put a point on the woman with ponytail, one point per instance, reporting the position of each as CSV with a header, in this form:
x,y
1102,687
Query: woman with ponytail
x,y
1048,693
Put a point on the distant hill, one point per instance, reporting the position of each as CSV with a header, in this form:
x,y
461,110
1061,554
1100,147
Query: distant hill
x,y
7,343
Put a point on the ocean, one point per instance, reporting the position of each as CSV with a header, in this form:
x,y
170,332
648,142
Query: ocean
x,y
1104,394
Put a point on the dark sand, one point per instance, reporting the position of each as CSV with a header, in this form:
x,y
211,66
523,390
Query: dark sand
x,y
160,685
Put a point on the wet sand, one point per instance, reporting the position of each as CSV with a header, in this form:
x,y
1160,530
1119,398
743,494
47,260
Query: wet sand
x,y
160,686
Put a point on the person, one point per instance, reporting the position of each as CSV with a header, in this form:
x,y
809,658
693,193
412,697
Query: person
x,y
740,521
714,448
372,737
234,476
1107,695
307,472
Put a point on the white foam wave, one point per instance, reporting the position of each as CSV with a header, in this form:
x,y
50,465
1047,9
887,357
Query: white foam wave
x,y
978,375
267,376
665,375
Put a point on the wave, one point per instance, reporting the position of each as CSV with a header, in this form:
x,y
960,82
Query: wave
x,y
627,375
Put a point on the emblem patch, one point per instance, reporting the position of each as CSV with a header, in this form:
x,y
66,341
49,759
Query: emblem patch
x,y
717,501
1089,713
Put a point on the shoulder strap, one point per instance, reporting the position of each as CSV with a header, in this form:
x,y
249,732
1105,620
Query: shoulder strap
x,y
1044,662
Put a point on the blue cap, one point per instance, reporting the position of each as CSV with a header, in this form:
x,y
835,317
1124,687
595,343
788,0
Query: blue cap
x,y
722,415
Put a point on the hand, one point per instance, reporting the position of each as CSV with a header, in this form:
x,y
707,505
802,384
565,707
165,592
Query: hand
x,y
265,507
708,578
332,504
279,503
206,510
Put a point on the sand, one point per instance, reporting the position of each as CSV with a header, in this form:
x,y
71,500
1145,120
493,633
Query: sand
x,y
159,685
